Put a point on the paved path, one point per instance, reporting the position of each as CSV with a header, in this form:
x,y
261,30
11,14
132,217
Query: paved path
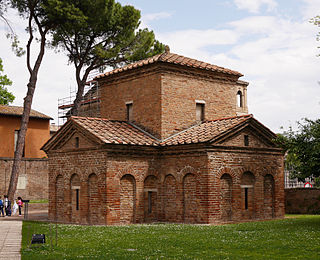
x,y
10,239
10,233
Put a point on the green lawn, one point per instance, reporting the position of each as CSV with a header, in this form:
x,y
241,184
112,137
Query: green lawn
x,y
296,237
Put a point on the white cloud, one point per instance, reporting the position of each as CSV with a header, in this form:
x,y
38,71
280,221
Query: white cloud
x,y
147,18
311,8
156,16
191,42
279,60
277,56
253,6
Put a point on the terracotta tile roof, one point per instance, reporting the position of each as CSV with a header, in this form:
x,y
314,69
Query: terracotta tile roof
x,y
172,58
18,111
115,132
121,132
242,82
206,131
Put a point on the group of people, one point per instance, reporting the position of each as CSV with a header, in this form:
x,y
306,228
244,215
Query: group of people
x,y
7,210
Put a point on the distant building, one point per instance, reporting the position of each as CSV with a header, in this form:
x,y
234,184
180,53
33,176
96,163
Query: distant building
x,y
53,129
33,177
174,143
295,183
89,106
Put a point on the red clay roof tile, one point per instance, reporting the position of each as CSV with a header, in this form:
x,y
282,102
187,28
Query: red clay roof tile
x,y
18,111
115,132
121,132
172,58
204,132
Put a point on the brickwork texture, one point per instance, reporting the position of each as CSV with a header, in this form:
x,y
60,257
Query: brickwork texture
x,y
213,182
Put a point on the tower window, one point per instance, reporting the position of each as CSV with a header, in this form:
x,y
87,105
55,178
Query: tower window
x,y
246,140
246,198
77,199
239,99
149,202
129,111
77,142
200,111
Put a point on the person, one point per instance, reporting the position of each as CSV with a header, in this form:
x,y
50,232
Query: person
x,y
14,208
20,205
1,207
7,205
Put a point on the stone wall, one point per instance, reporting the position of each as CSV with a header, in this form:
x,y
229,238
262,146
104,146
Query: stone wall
x,y
33,178
302,201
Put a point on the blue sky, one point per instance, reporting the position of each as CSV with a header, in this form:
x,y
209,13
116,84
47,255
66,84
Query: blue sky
x,y
271,42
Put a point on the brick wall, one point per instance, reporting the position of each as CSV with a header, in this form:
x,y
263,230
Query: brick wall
x,y
144,92
179,93
33,178
164,98
137,186
83,171
302,200
259,172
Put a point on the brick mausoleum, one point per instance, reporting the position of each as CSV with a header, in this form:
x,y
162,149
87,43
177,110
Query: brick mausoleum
x,y
175,144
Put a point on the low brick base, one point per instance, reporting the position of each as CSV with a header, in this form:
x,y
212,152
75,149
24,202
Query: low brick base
x,y
302,201
97,187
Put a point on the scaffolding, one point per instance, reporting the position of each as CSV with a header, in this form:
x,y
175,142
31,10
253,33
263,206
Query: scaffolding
x,y
90,103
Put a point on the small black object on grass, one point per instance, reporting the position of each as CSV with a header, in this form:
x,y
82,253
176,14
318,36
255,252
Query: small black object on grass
x,y
38,239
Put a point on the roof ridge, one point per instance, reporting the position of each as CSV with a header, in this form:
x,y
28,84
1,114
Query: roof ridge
x,y
91,118
226,118
171,136
100,119
143,131
171,58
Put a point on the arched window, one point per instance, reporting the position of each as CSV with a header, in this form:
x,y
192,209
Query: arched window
x,y
127,199
150,198
75,198
239,99
247,194
190,208
226,197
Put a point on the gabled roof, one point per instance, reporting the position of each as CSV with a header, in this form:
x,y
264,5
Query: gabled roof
x,y
18,111
172,58
115,132
103,131
208,130
121,132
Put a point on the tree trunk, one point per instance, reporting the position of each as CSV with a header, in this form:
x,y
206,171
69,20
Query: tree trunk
x,y
81,84
77,101
26,107
21,140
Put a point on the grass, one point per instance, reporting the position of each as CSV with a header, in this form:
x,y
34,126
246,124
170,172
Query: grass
x,y
296,237
39,201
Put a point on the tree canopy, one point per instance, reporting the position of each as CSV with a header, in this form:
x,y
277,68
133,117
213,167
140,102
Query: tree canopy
x,y
303,149
6,97
108,36
316,21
